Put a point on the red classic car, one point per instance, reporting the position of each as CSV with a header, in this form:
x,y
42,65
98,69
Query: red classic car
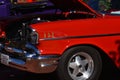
x,y
70,41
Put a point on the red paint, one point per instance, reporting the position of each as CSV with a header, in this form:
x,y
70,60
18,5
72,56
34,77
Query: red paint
x,y
69,28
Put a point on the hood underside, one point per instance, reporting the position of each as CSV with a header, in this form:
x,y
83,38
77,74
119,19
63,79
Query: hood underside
x,y
69,5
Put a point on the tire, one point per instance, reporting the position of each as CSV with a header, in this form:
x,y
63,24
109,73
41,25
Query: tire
x,y
80,63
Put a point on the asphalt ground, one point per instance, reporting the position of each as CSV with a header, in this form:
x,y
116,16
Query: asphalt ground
x,y
7,73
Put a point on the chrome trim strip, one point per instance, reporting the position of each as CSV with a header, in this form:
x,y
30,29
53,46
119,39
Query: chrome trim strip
x,y
17,61
84,36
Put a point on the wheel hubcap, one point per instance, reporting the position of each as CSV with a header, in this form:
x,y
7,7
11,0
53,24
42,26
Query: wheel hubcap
x,y
80,66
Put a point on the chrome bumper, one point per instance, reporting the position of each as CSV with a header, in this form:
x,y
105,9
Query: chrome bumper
x,y
39,64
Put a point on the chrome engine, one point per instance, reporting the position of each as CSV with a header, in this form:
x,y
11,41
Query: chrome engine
x,y
20,42
28,34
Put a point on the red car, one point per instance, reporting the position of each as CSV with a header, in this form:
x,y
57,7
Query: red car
x,y
70,41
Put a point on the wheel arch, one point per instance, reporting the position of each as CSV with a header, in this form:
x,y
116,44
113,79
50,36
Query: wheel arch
x,y
70,51
105,58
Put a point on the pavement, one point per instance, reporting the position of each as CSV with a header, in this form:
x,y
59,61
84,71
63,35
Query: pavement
x,y
7,73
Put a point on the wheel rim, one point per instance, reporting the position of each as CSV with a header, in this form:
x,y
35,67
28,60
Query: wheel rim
x,y
80,66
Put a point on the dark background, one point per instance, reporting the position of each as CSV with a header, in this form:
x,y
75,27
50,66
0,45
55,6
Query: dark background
x,y
110,72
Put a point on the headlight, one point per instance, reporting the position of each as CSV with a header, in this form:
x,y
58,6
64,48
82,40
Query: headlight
x,y
34,37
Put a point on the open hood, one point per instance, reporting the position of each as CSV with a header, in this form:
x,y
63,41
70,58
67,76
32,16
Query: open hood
x,y
72,5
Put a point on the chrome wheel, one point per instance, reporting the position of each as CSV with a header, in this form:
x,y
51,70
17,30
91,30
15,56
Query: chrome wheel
x,y
80,66
80,63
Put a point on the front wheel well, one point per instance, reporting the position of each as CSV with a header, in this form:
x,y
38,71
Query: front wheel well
x,y
105,58
103,64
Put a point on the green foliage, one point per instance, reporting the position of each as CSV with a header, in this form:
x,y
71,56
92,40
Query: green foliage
x,y
104,5
86,1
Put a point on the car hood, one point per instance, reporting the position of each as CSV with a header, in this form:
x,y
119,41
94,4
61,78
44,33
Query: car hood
x,y
72,5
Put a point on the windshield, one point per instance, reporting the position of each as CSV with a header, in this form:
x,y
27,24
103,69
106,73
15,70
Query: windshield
x,y
105,6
